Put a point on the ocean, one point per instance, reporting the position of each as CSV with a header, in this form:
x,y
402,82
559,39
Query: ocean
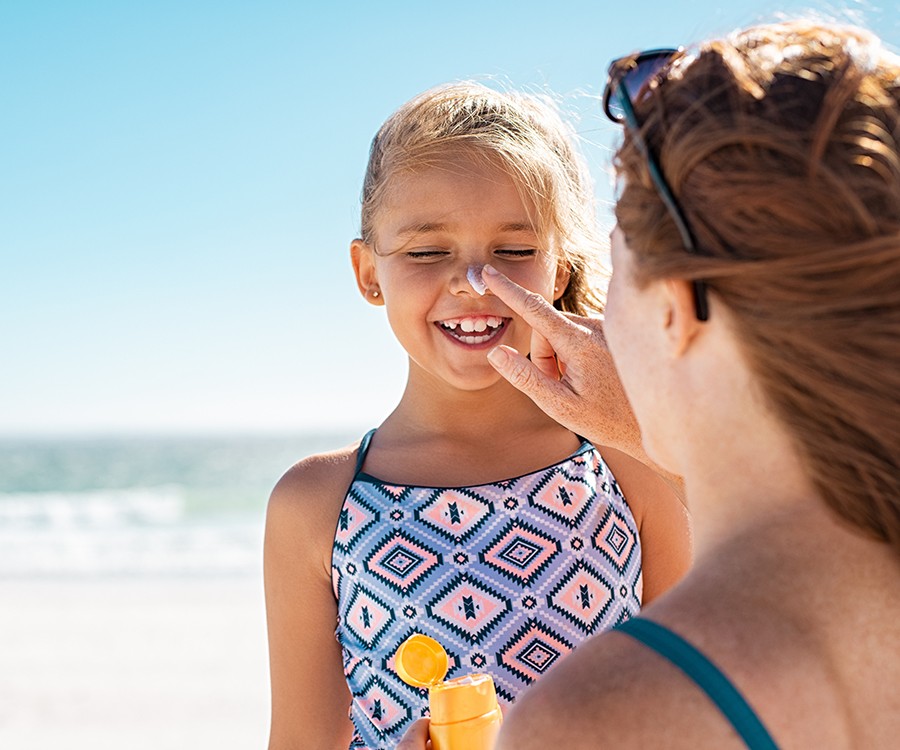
x,y
141,506
133,612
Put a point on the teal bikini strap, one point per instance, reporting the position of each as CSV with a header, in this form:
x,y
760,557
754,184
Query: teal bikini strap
x,y
363,449
707,676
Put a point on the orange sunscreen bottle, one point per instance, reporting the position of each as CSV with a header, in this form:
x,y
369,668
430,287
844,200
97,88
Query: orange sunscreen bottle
x,y
465,714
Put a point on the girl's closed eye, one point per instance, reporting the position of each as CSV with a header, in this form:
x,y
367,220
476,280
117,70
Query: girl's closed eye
x,y
427,253
516,252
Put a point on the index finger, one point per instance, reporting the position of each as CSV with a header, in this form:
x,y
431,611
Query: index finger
x,y
530,306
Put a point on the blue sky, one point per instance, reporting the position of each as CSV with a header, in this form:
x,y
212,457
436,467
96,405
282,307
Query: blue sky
x,y
179,183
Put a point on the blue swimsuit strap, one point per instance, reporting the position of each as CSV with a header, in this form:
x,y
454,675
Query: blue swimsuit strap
x,y
706,675
363,449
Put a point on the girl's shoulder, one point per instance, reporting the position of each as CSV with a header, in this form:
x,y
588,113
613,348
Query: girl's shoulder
x,y
642,487
308,496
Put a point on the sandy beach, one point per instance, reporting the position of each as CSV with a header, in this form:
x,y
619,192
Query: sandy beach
x,y
133,662
132,612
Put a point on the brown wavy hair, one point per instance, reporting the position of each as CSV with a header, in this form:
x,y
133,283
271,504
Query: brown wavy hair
x,y
782,145
526,137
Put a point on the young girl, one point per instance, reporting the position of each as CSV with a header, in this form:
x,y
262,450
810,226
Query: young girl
x,y
468,515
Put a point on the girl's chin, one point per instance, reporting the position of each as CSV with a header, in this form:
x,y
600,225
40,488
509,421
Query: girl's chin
x,y
476,379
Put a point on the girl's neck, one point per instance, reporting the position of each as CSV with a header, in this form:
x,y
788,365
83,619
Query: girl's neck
x,y
438,437
427,408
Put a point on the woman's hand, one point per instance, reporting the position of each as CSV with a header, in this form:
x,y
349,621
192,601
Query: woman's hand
x,y
416,737
570,374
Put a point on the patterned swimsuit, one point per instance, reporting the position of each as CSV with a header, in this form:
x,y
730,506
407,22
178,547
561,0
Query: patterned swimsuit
x,y
508,576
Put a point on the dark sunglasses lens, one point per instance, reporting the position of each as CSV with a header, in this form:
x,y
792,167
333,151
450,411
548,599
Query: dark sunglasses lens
x,y
635,80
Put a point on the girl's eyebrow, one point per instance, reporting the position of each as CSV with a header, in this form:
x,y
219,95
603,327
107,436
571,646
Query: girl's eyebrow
x,y
411,230
517,226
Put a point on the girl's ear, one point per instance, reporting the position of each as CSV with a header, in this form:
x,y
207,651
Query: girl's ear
x,y
362,256
563,274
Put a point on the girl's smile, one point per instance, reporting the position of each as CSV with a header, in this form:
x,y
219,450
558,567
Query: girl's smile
x,y
474,331
437,224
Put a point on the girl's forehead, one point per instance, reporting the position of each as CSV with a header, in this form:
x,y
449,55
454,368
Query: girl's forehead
x,y
448,194
456,166
452,184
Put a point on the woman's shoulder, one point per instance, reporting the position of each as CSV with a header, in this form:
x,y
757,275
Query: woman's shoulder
x,y
793,670
610,692
613,691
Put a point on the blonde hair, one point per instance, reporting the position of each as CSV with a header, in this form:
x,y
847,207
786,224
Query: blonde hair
x,y
525,137
782,145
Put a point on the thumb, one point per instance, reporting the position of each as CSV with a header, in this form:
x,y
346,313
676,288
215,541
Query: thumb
x,y
523,374
416,737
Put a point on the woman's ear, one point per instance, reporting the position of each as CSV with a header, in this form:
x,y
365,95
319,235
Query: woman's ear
x,y
563,274
362,255
681,326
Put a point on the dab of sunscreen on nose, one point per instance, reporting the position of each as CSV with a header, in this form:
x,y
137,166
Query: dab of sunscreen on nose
x,y
474,277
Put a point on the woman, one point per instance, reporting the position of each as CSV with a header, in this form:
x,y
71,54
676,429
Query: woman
x,y
754,320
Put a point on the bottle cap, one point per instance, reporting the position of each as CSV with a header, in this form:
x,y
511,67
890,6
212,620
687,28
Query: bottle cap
x,y
421,661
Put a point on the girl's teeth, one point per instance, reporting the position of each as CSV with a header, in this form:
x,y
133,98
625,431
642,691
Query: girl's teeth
x,y
474,330
474,325
469,326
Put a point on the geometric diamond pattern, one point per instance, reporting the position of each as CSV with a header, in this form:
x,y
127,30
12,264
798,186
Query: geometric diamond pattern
x,y
563,497
469,608
402,562
355,518
455,514
508,576
583,596
533,650
368,616
382,706
521,552
615,539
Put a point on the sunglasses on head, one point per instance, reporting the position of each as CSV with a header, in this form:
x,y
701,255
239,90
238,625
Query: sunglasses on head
x,y
629,81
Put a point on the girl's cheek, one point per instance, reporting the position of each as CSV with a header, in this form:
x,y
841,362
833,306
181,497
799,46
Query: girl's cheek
x,y
532,277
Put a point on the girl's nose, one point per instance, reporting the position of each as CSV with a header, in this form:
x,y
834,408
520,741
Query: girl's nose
x,y
473,276
467,280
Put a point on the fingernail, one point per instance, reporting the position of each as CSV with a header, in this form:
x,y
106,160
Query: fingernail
x,y
475,280
497,357
490,270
